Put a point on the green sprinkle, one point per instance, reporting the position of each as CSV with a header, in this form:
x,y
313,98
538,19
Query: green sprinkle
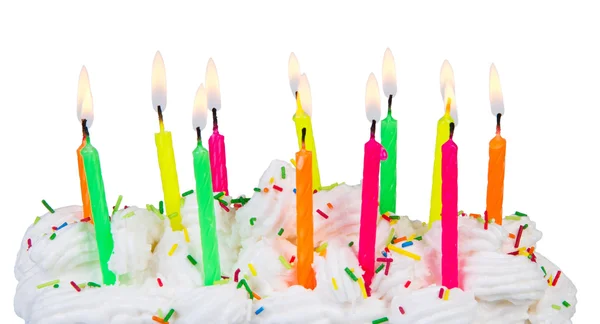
x,y
169,314
181,202
37,219
351,274
47,206
48,284
379,268
555,306
321,247
567,305
479,219
117,204
280,231
223,202
173,215
187,193
282,172
285,262
391,235
236,200
192,260
257,190
515,218
396,217
128,215
530,256
56,286
381,320
419,238
245,200
93,284
161,207
53,236
240,283
351,243
331,186
518,213
221,282
219,195
159,312
252,220
245,284
525,226
545,273
153,209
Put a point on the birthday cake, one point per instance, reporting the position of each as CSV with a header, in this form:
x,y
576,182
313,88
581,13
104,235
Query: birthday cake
x,y
503,278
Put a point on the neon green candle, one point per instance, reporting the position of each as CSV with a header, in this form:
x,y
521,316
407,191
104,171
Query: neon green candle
x,y
204,196
389,136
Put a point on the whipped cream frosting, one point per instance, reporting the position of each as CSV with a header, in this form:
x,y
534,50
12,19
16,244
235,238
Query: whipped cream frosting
x,y
498,282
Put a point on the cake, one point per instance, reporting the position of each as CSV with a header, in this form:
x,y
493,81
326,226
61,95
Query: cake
x,y
160,276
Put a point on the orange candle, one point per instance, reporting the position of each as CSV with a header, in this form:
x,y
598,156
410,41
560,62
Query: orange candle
x,y
85,194
304,217
495,189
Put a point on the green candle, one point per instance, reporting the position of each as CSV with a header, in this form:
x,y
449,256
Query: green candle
x,y
204,197
389,136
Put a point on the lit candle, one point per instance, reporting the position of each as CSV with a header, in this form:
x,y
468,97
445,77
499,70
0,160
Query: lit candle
x,y
216,142
302,117
450,211
304,216
204,195
164,145
374,153
443,126
495,188
83,89
93,174
389,135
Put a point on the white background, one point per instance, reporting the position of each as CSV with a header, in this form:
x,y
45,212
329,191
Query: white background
x,y
546,55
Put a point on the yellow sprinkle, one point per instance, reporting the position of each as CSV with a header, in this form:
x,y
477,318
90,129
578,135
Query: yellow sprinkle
x,y
272,180
82,285
390,236
446,294
160,313
186,235
293,162
412,237
221,282
404,252
393,221
321,247
352,269
361,283
550,281
335,287
251,267
173,248
246,277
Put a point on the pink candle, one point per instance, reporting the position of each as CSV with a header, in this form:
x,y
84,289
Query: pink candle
x,y
218,160
450,212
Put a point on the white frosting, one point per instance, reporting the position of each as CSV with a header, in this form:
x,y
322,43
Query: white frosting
x,y
495,287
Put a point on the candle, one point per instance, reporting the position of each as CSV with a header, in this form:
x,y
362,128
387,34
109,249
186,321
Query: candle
x,y
164,145
374,153
443,126
216,142
93,174
389,135
204,195
302,118
495,188
450,212
304,216
82,90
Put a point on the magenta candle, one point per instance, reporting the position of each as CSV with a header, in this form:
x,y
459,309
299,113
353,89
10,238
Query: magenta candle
x,y
218,160
450,212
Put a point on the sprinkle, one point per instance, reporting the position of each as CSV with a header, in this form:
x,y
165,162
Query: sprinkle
x,y
280,231
181,202
379,268
173,215
294,190
82,285
292,258
169,314
93,284
315,191
390,236
117,204
257,190
400,239
272,180
335,286
387,268
475,215
404,252
128,215
158,319
75,286
224,207
54,228
407,244
293,162
556,278
321,247
441,294
380,320
351,274
192,260
252,269
28,244
545,273
252,220
219,195
61,226
407,284
47,284
221,282
236,274
385,259
186,235
351,243
511,235
361,283
395,217
401,310
284,262
556,307
282,172
187,193
266,190
87,219
520,214
53,236
260,310
245,284
525,226
37,219
161,207
329,205
56,286
519,234
278,188
485,222
515,218
447,294
322,214
256,296
153,209
567,305
419,238
385,217
160,284
160,313
47,206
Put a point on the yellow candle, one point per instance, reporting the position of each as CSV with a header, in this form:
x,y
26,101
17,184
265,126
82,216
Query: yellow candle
x,y
302,120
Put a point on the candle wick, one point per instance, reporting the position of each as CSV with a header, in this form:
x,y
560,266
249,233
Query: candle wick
x,y
295,94
84,128
215,122
451,130
373,128
198,135
498,116
303,136
390,105
160,117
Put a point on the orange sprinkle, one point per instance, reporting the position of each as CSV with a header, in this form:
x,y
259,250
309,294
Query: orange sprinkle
x,y
256,296
532,249
330,205
266,189
511,235
475,215
158,319
400,239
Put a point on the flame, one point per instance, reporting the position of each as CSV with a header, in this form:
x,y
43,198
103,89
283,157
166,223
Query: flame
x,y
213,92
199,113
305,95
496,99
83,88
159,83
450,104
372,99
294,73
446,78
87,109
389,74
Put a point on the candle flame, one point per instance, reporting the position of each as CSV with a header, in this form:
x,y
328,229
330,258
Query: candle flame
x,y
389,74
199,113
305,94
446,78
213,91
87,109
294,73
159,83
496,100
372,99
83,88
450,100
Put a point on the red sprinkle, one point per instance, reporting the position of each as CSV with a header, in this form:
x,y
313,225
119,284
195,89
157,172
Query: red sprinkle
x,y
224,277
75,286
401,310
315,191
387,268
407,284
224,207
322,214
518,240
237,205
28,244
556,278
513,253
292,258
160,284
533,258
278,188
385,259
386,218
387,250
236,274
54,228
441,294
87,219
485,223
125,207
